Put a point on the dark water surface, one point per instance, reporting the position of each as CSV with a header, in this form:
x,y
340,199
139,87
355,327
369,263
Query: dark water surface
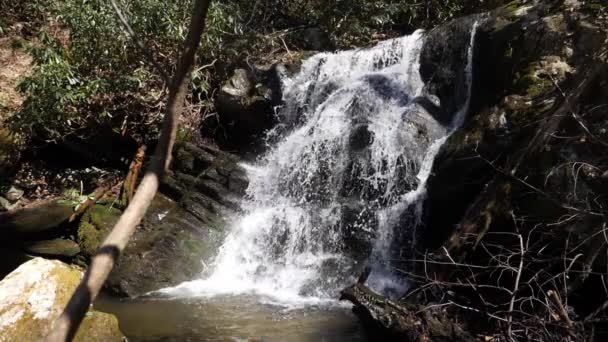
x,y
229,318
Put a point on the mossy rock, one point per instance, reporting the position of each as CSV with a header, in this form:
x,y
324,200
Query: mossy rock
x,y
98,327
33,296
94,226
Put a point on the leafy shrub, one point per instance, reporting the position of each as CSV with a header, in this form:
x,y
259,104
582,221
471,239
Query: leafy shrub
x,y
88,72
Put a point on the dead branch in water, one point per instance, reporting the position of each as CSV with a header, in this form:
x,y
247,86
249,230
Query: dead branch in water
x,y
66,326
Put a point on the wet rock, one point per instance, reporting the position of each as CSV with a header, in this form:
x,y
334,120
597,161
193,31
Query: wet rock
x,y
360,137
52,248
521,53
33,296
205,171
443,62
170,246
184,226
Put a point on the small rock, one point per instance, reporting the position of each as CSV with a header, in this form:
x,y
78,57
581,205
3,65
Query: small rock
x,y
239,85
14,194
56,247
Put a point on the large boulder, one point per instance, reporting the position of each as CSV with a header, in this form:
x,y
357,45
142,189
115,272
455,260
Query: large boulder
x,y
169,247
177,238
245,106
33,296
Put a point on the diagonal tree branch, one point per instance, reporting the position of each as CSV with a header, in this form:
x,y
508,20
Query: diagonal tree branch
x,y
66,326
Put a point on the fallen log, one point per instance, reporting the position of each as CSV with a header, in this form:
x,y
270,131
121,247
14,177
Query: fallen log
x,y
390,320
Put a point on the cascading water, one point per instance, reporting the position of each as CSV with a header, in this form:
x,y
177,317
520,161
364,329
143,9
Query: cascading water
x,y
342,186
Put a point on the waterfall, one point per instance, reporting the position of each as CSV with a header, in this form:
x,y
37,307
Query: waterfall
x,y
342,186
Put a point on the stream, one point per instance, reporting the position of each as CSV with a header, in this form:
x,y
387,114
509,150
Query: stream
x,y
230,318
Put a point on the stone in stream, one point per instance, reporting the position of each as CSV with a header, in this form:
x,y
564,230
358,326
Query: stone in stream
x,y
55,248
34,295
35,219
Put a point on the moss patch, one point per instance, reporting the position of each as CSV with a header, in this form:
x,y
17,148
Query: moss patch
x,y
516,9
94,226
98,327
531,85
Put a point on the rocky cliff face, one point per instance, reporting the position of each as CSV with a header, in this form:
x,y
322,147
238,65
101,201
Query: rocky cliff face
x,y
519,192
531,64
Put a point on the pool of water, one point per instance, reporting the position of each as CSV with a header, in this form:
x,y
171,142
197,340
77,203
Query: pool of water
x,y
230,318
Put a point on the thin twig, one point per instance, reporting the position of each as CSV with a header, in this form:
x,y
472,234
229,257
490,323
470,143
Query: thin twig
x,y
516,286
576,117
